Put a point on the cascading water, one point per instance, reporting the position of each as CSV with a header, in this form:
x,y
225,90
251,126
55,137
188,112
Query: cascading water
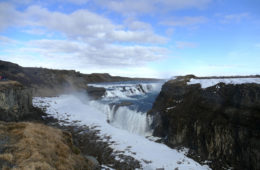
x,y
126,104
127,115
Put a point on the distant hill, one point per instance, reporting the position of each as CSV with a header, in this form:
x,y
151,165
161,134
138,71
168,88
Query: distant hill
x,y
50,82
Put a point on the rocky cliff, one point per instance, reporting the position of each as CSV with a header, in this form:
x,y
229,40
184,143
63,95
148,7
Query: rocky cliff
x,y
15,101
221,123
50,82
32,145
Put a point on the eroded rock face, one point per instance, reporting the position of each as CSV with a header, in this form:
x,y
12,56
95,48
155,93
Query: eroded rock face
x,y
15,100
220,123
95,92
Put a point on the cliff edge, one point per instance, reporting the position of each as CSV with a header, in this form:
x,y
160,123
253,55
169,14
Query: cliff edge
x,y
33,146
220,121
15,100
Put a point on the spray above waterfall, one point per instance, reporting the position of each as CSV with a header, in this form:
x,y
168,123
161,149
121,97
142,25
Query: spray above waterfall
x,y
126,89
126,104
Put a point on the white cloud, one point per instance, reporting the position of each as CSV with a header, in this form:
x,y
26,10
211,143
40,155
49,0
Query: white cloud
x,y
83,55
6,40
36,31
54,63
225,19
140,36
89,40
88,26
135,7
137,25
185,21
8,16
78,2
20,1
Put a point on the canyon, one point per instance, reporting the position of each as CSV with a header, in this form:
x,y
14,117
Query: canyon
x,y
216,118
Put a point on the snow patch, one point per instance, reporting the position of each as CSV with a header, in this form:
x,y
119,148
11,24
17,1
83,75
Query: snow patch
x,y
205,83
170,108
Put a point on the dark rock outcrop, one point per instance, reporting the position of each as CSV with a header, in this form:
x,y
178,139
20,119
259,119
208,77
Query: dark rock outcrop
x,y
220,123
95,92
15,101
118,105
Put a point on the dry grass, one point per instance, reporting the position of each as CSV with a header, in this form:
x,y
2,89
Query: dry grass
x,y
37,146
7,157
8,84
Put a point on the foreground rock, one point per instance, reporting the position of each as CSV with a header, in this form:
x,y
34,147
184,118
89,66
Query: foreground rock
x,y
220,123
15,101
36,146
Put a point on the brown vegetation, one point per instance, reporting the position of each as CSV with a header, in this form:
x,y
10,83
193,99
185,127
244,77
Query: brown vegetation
x,y
7,84
37,146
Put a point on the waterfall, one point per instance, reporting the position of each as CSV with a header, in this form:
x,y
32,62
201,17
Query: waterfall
x,y
124,105
127,90
125,118
131,120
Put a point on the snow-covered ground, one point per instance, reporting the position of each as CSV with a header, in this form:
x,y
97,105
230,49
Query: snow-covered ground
x,y
205,83
78,108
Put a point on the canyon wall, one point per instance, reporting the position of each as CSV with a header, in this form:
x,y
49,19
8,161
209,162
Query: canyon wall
x,y
221,123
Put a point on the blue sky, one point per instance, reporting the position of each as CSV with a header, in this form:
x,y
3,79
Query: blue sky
x,y
137,38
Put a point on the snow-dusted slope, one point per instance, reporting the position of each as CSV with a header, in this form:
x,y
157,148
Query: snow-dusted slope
x,y
205,83
79,108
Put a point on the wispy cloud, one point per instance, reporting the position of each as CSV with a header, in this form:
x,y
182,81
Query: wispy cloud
x,y
86,25
6,40
185,21
229,18
9,16
182,44
137,7
89,38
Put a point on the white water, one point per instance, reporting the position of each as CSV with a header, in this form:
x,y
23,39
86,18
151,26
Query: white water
x,y
127,127
127,90
124,118
134,122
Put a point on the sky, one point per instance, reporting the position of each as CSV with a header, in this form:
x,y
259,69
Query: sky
x,y
134,38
